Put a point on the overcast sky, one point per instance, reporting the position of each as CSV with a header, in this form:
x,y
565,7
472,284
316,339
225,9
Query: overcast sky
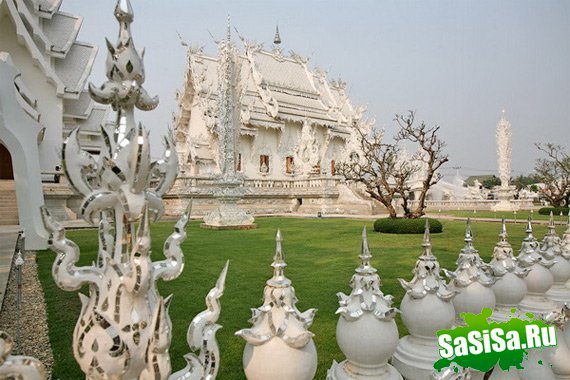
x,y
456,63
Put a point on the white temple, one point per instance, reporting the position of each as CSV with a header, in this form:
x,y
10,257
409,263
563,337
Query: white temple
x,y
294,122
294,126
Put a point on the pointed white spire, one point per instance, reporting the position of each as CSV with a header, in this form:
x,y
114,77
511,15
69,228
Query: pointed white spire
x,y
279,264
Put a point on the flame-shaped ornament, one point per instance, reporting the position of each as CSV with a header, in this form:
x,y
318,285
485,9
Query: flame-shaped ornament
x,y
124,330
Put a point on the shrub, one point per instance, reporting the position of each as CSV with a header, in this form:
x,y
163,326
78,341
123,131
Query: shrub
x,y
406,226
555,210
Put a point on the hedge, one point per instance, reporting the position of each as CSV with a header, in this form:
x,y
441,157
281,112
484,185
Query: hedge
x,y
406,226
554,210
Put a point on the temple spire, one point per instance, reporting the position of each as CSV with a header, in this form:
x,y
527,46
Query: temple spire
x,y
277,38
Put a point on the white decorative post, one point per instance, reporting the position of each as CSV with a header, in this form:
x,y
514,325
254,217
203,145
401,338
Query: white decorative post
x,y
279,345
124,330
366,331
472,280
539,280
551,249
229,186
18,367
504,152
426,309
509,287
560,355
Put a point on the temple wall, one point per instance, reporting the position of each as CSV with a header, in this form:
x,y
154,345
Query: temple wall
x,y
49,105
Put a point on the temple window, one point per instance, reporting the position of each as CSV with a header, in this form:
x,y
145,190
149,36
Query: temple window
x,y
333,167
264,163
289,165
238,163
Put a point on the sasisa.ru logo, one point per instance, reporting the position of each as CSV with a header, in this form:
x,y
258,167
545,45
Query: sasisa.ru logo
x,y
496,340
482,344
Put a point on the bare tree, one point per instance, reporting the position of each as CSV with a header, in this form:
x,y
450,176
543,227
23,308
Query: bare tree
x,y
387,174
430,153
554,172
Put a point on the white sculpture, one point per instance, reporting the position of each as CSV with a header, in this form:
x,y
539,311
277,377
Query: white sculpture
x,y
18,367
472,280
539,280
551,249
279,345
565,243
229,189
366,331
560,354
504,152
124,330
509,287
426,309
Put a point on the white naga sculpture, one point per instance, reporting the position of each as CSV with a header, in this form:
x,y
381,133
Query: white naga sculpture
x,y
504,152
426,308
509,287
124,330
279,345
366,331
472,280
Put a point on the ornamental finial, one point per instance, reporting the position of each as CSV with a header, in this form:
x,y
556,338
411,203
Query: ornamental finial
x,y
278,264
427,241
503,235
551,226
468,238
277,38
124,11
365,255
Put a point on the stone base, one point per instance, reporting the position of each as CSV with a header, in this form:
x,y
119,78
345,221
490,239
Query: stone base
x,y
537,304
236,227
505,205
559,293
350,371
414,357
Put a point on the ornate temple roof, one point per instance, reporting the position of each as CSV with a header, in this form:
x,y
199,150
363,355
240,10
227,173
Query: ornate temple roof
x,y
51,38
275,88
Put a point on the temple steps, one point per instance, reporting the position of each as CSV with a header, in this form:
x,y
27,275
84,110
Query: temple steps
x,y
8,203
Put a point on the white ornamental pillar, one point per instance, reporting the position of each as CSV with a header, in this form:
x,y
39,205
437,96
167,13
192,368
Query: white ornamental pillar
x,y
539,280
124,330
472,280
279,345
551,249
366,331
510,286
426,309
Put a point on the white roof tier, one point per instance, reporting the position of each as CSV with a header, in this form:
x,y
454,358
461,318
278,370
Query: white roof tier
x,y
299,93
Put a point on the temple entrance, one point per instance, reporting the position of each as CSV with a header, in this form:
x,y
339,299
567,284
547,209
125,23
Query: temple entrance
x,y
6,169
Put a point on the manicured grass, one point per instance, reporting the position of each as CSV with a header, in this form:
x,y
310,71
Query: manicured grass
x,y
321,255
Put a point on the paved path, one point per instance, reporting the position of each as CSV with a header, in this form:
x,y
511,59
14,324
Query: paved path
x,y
8,237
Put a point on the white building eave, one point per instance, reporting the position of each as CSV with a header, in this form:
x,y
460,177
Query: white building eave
x,y
38,58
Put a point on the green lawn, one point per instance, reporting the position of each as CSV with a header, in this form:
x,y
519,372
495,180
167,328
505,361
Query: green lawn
x,y
321,255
